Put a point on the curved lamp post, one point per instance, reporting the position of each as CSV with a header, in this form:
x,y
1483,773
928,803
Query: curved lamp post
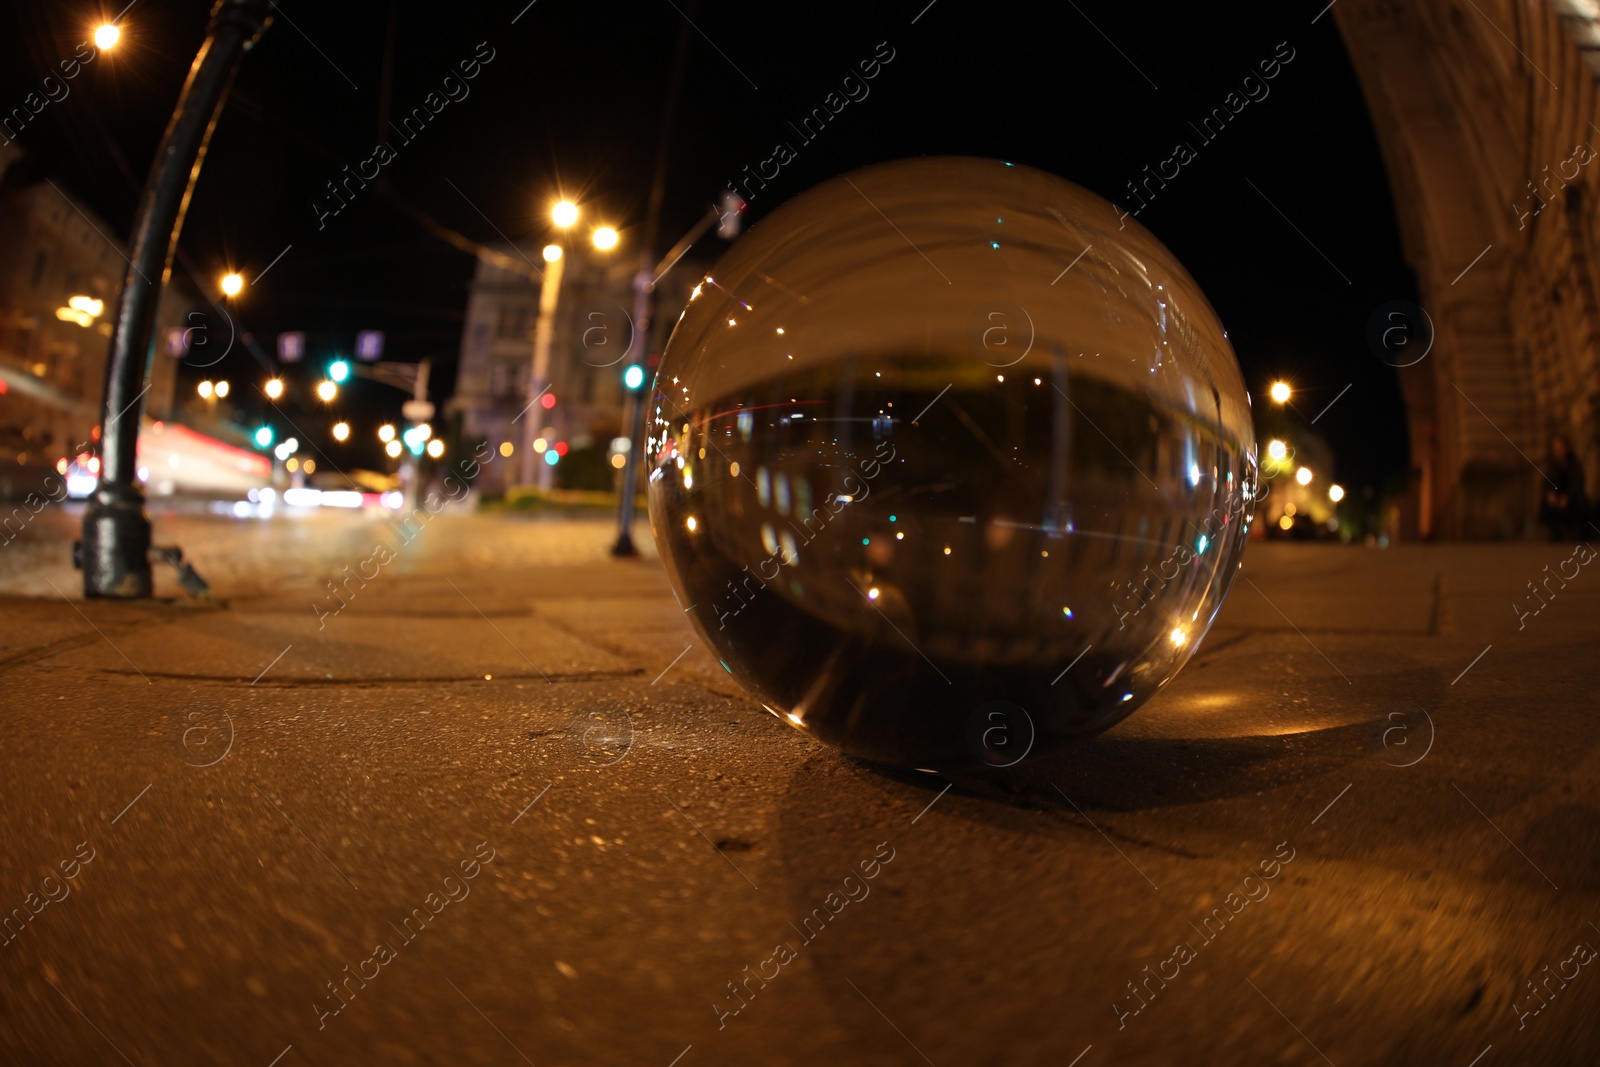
x,y
116,529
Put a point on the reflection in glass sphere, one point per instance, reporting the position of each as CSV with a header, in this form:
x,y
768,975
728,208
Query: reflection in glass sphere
x,y
949,464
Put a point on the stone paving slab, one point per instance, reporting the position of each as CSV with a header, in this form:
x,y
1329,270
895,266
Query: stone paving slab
x,y
1427,796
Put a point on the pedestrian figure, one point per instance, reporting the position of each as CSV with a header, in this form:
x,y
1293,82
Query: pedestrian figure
x,y
1565,504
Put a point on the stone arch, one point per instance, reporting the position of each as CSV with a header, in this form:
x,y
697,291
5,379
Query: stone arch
x,y
1479,106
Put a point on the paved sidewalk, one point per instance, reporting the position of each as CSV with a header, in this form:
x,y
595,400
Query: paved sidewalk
x,y
269,796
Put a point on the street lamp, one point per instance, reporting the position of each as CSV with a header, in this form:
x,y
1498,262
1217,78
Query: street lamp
x,y
605,238
436,448
393,448
115,553
1335,493
206,389
1277,450
341,431
107,35
273,388
1303,475
326,391
552,253
564,214
232,284
1280,392
222,389
386,432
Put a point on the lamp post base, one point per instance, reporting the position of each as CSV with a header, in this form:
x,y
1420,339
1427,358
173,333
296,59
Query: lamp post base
x,y
624,548
115,553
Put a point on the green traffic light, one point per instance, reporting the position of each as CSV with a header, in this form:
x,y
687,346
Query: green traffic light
x,y
633,377
339,371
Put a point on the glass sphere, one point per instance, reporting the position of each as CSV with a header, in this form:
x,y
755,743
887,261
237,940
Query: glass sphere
x,y
951,463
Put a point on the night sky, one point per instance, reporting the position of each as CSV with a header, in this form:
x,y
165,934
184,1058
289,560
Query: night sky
x,y
573,98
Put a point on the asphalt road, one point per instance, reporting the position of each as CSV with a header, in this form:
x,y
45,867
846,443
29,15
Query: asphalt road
x,y
492,811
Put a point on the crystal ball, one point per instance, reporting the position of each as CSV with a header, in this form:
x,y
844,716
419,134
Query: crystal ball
x,y
950,463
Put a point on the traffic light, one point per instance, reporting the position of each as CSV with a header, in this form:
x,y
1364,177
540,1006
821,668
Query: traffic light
x,y
633,378
264,437
339,371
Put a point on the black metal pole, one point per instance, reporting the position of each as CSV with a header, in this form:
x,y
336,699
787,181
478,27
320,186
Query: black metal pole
x,y
116,529
624,547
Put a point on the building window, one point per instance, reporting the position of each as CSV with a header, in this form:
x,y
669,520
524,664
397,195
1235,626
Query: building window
x,y
511,321
505,379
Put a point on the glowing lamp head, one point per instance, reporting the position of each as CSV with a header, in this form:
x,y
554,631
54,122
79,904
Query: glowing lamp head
x,y
327,391
1335,493
564,214
232,284
435,448
1277,450
605,238
107,36
341,431
552,253
274,388
1280,392
1303,475
386,432
206,389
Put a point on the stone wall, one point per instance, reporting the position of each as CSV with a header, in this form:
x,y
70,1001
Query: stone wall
x,y
1485,111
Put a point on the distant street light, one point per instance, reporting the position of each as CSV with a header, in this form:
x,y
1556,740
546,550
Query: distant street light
x,y
435,448
605,238
222,389
205,389
564,213
552,253
1335,493
1280,392
327,391
386,432
106,36
273,388
232,284
1303,475
393,448
341,431
1277,450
